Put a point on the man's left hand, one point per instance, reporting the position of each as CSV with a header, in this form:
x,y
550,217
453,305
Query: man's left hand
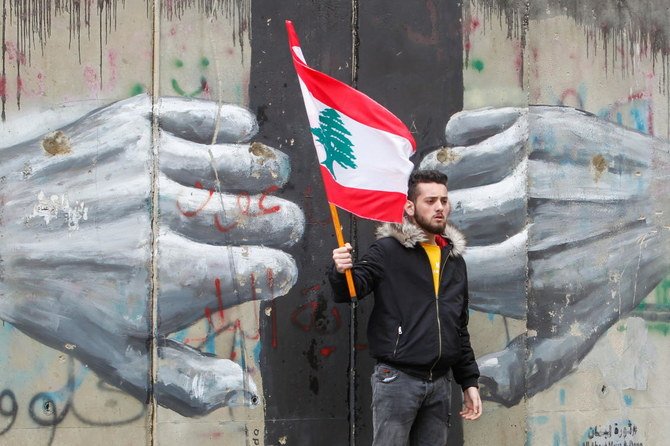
x,y
472,404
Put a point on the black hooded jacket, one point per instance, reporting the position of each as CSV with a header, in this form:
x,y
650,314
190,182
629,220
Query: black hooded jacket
x,y
410,328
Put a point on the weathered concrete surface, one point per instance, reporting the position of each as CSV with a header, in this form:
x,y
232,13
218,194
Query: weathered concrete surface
x,y
113,229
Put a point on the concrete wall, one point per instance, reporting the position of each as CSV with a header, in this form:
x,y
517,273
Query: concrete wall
x,y
158,176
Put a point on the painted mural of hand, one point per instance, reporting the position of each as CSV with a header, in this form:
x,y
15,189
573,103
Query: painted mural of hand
x,y
77,270
568,220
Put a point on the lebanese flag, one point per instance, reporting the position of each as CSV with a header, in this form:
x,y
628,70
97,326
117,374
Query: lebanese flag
x,y
363,149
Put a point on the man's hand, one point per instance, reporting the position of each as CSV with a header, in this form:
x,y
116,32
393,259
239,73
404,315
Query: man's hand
x,y
342,258
472,404
81,257
568,221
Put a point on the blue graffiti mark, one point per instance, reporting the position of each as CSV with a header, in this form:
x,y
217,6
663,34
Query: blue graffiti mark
x,y
239,94
545,141
257,353
581,91
561,397
180,336
537,420
490,316
624,430
561,438
633,112
628,400
639,120
64,394
210,346
564,430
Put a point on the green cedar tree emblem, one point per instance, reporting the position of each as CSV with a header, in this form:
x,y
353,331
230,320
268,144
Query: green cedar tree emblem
x,y
332,134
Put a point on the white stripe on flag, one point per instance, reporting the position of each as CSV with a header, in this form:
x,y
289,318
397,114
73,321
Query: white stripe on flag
x,y
382,157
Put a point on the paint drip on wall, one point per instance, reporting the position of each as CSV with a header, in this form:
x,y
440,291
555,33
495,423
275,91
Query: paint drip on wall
x,y
626,29
31,27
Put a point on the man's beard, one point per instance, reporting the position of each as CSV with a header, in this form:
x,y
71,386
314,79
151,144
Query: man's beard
x,y
435,228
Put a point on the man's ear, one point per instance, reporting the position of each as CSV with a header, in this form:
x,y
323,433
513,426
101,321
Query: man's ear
x,y
409,208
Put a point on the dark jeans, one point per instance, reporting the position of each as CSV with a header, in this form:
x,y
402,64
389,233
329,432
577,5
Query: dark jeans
x,y
408,410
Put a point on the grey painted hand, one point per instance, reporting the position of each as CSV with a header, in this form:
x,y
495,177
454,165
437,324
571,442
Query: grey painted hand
x,y
568,219
81,263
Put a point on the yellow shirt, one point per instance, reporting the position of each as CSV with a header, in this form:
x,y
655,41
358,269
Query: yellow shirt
x,y
434,254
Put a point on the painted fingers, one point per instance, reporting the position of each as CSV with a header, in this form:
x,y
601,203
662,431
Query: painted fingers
x,y
199,280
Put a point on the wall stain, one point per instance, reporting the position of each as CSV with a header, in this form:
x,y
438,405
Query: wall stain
x,y
261,150
57,143
446,156
599,165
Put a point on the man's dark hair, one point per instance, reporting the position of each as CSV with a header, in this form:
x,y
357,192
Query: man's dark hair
x,y
423,176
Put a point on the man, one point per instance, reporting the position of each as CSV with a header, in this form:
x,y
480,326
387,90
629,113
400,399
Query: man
x,y
418,327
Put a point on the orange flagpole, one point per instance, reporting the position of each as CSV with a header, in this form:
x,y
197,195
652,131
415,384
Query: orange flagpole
x,y
340,243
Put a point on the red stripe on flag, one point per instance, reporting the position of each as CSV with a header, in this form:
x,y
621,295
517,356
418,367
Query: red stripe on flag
x,y
345,99
370,204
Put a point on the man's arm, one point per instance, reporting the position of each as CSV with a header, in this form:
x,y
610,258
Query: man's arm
x,y
366,273
466,372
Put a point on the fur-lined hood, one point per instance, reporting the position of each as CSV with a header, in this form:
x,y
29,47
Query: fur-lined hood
x,y
409,234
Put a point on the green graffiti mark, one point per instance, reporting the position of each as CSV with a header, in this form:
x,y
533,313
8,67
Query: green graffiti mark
x,y
180,91
137,89
204,64
478,65
662,293
659,327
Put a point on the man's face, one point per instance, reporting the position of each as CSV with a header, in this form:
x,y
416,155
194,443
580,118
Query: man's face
x,y
431,207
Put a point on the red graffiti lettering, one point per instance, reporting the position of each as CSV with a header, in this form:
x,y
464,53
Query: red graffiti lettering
x,y
219,297
220,227
262,208
243,203
427,39
327,351
219,324
190,214
317,319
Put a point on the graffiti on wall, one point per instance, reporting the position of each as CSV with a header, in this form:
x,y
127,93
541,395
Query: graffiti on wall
x,y
627,29
581,205
50,408
78,273
575,204
26,28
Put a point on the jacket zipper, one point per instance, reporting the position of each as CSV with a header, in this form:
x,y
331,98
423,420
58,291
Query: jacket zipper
x,y
397,340
439,324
